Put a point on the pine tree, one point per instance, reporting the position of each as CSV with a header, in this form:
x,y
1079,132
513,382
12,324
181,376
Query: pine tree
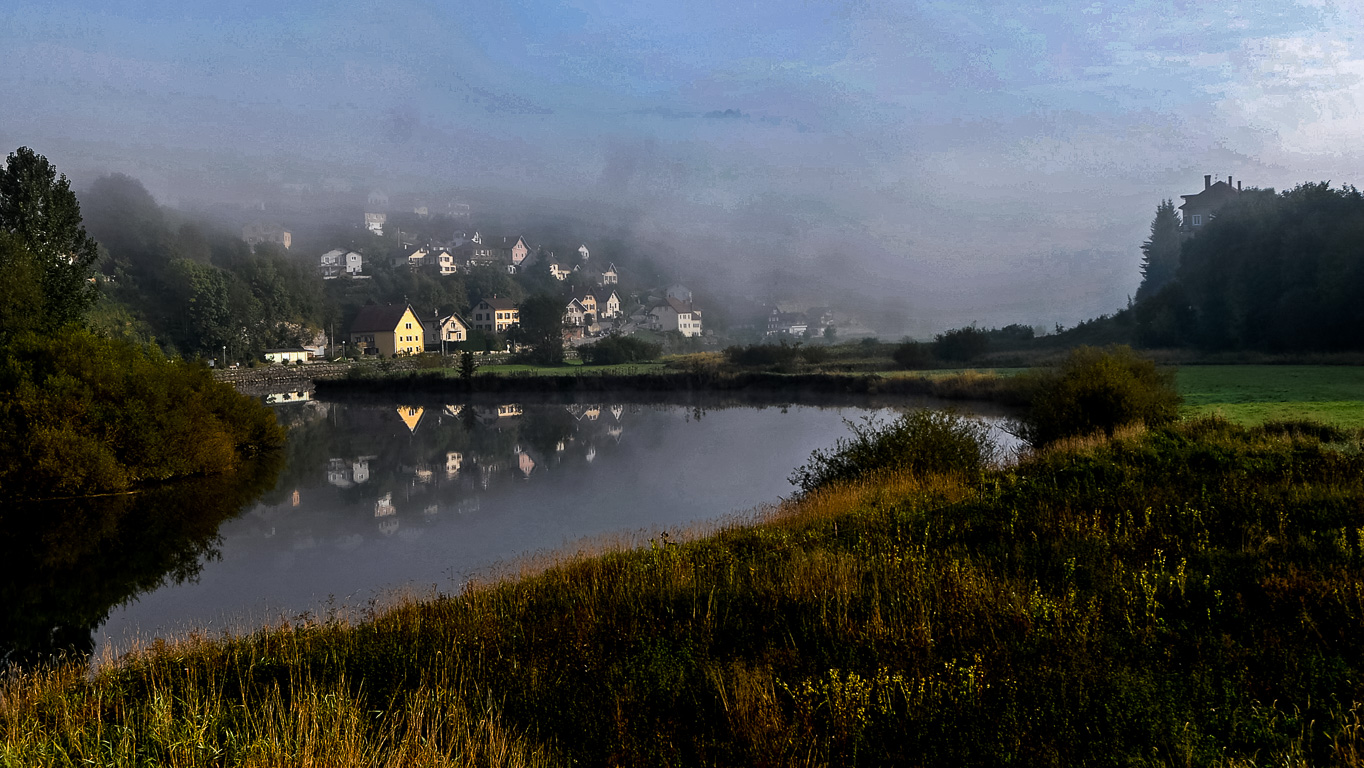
x,y
1160,254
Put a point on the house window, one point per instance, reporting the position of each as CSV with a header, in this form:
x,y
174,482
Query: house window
x,y
1197,220
409,326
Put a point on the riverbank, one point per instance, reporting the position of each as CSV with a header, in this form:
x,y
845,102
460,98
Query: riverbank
x,y
440,384
1097,603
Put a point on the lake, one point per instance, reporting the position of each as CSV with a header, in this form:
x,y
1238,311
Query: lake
x,y
374,498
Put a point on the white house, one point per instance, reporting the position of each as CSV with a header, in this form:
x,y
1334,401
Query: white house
x,y
558,272
673,315
582,251
609,276
374,222
336,262
286,356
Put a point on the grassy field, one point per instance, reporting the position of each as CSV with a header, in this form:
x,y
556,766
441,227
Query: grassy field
x,y
1253,394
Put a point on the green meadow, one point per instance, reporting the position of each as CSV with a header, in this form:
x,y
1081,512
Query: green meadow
x,y
1254,394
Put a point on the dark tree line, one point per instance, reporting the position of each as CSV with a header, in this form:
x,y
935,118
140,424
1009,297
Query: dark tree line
x,y
1271,272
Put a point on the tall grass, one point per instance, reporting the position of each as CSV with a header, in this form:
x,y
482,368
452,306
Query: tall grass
x,y
1183,595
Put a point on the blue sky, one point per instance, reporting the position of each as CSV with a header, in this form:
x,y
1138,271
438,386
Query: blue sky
x,y
1018,147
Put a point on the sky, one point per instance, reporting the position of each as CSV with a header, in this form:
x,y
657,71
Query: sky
x,y
950,162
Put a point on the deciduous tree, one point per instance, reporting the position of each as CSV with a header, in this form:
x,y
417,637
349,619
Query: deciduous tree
x,y
39,210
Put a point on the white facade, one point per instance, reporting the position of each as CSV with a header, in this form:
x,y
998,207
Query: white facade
x,y
336,261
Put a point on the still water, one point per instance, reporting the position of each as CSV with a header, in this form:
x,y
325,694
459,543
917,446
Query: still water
x,y
377,498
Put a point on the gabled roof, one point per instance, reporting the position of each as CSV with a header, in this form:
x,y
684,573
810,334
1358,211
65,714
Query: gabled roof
x,y
378,318
497,303
680,307
574,302
455,316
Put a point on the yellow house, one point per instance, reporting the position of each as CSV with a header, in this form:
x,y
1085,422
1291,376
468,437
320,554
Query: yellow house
x,y
496,315
387,330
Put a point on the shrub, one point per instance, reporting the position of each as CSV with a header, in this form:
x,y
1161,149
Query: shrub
x,y
920,441
614,350
778,356
815,355
913,354
961,344
1097,390
81,414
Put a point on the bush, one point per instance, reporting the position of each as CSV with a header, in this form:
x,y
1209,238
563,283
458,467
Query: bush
x,y
961,344
913,354
80,414
781,356
614,350
921,441
1097,390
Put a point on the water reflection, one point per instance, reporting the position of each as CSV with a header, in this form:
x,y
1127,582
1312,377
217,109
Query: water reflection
x,y
64,565
374,497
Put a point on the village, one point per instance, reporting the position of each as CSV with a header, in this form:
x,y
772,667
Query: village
x,y
599,298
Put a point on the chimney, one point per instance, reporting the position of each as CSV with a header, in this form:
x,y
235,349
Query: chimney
x,y
1207,180
1228,180
1238,186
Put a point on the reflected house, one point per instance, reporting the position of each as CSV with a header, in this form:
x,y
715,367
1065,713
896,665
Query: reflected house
x,y
454,461
509,409
525,463
383,506
617,410
423,474
388,526
615,431
431,510
339,473
411,416
279,398
361,473
591,453
453,410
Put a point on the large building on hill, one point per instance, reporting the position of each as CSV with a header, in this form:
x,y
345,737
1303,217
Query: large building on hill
x,y
1198,209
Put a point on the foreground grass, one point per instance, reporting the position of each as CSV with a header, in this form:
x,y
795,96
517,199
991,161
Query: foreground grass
x,y
1191,596
1252,394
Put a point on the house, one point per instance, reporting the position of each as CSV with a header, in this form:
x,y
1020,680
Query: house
x,y
680,292
286,355
385,329
452,330
443,261
375,222
255,234
609,275
674,315
582,251
413,257
575,315
609,307
487,250
496,315
559,272
1199,209
337,262
589,302
786,323
377,200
